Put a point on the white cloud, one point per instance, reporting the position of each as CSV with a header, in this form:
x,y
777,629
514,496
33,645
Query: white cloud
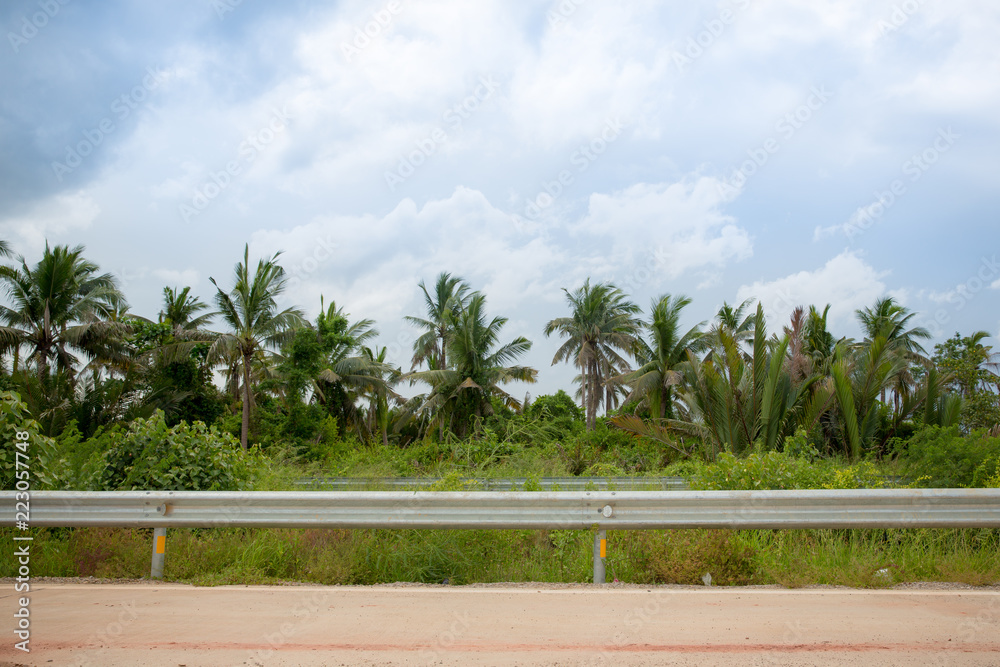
x,y
684,221
846,282
463,234
51,219
180,279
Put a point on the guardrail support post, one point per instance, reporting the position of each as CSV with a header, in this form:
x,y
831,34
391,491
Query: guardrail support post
x,y
159,552
600,551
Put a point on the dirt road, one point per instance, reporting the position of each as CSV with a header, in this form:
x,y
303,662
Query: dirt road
x,y
171,625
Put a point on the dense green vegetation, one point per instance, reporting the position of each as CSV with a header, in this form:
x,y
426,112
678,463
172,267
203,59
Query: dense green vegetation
x,y
112,400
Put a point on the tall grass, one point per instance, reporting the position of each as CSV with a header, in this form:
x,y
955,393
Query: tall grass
x,y
792,558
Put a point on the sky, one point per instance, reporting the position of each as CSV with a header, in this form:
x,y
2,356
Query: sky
x,y
829,152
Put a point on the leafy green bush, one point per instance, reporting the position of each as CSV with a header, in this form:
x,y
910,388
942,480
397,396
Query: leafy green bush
x,y
558,412
152,455
36,455
555,406
801,446
987,473
943,458
776,470
78,462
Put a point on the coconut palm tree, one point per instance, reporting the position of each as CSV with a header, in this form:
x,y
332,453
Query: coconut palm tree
x,y
602,326
659,359
888,320
250,310
735,320
451,294
477,368
380,392
818,343
180,309
61,307
349,371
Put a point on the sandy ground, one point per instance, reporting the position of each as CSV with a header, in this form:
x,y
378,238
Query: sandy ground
x,y
154,625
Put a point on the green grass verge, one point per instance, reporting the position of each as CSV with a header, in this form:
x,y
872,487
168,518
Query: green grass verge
x,y
859,558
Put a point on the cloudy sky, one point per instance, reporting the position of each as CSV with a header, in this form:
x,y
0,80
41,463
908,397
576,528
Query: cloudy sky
x,y
796,153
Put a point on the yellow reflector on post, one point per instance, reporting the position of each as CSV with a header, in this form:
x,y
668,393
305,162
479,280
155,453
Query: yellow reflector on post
x,y
161,544
604,548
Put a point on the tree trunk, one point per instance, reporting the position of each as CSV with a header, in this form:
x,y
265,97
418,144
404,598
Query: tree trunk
x,y
592,397
245,430
384,421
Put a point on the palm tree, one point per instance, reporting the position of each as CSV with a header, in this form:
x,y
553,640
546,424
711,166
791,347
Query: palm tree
x,y
799,363
251,311
61,306
379,392
654,380
602,325
181,310
734,320
740,400
818,343
888,320
451,294
350,371
859,375
464,391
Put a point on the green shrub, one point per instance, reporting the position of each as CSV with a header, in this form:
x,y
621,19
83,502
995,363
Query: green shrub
x,y
943,458
801,446
685,556
777,470
987,473
555,406
79,462
152,455
37,450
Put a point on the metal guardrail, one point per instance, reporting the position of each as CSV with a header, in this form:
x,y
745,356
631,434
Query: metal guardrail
x,y
603,510
500,484
617,510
